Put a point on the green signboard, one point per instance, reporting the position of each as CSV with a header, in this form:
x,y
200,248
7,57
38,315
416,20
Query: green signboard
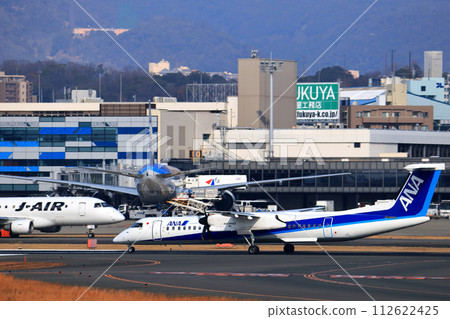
x,y
317,102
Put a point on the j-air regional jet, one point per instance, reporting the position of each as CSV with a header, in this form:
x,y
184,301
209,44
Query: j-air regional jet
x,y
293,226
22,215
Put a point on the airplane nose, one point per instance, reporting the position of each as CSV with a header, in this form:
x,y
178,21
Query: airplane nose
x,y
117,216
120,216
118,239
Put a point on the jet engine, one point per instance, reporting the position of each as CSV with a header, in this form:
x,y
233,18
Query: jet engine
x,y
226,203
23,226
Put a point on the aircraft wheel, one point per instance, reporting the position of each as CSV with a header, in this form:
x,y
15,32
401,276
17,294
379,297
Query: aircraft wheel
x,y
253,250
91,235
288,249
131,249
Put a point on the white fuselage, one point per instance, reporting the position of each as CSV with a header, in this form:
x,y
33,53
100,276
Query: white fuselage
x,y
59,211
288,227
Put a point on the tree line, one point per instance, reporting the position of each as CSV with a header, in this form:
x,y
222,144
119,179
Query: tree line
x,y
56,79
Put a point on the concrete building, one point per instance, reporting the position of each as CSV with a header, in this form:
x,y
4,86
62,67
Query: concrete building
x,y
15,89
157,68
432,64
52,139
254,93
85,96
321,144
392,117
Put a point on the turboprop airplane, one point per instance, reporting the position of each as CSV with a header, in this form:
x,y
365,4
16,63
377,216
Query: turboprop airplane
x,y
157,184
293,226
22,215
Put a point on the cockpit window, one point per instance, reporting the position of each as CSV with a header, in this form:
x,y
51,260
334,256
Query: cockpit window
x,y
136,225
101,204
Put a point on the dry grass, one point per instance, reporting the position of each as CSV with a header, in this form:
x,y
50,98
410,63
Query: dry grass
x,y
14,289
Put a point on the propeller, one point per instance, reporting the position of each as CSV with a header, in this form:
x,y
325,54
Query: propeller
x,y
204,221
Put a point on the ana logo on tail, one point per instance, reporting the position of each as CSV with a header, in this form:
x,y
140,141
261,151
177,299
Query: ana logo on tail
x,y
411,189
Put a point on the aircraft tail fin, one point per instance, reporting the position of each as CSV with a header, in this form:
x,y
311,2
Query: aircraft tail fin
x,y
415,196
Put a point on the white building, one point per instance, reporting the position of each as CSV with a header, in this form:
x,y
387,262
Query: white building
x,y
157,68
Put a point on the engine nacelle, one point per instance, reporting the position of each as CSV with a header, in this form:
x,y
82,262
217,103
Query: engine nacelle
x,y
218,222
52,229
23,226
226,203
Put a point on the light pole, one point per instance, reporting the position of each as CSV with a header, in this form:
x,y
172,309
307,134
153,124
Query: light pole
x,y
120,84
100,71
271,67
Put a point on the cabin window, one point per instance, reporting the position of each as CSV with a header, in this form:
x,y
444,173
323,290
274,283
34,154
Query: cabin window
x,y
309,225
179,228
195,227
314,226
289,226
189,228
173,228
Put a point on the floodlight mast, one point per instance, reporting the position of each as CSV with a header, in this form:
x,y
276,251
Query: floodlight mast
x,y
271,67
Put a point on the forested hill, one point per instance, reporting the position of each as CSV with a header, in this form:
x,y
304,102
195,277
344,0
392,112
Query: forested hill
x,y
212,35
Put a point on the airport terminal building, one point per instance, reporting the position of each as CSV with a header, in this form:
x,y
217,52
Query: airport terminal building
x,y
53,140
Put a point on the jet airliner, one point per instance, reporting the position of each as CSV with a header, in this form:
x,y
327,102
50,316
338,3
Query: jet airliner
x,y
293,226
157,183
48,214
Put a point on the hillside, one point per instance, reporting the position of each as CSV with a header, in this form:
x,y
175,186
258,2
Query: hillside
x,y
211,36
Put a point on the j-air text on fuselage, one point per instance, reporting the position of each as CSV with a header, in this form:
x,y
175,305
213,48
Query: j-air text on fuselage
x,y
293,226
22,215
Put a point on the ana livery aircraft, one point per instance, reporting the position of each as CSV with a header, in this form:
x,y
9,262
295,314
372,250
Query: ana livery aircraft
x,y
22,215
296,226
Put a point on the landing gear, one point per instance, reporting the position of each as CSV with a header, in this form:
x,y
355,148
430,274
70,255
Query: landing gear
x,y
253,250
131,249
90,229
288,249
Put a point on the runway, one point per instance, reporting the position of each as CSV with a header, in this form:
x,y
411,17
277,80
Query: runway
x,y
419,269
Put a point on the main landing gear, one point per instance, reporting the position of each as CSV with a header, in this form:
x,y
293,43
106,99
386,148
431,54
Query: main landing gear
x,y
254,250
288,248
90,229
131,249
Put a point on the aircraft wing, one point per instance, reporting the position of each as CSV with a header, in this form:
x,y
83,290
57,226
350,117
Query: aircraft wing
x,y
267,181
247,215
128,174
116,189
192,171
6,220
137,175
